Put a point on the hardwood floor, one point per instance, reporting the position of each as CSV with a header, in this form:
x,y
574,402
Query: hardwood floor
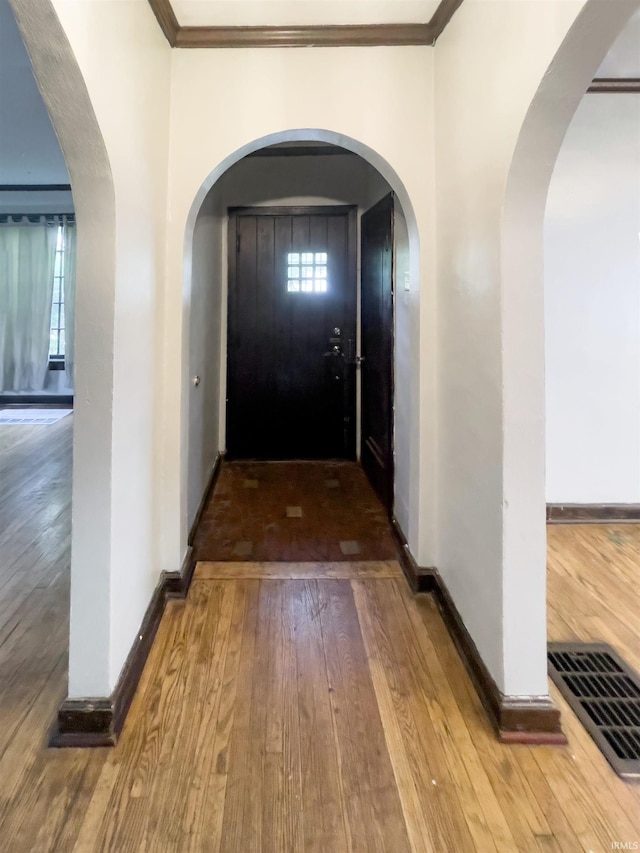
x,y
298,713
293,707
38,789
594,585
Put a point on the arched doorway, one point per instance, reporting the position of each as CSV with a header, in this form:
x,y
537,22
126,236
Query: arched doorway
x,y
71,112
522,263
284,169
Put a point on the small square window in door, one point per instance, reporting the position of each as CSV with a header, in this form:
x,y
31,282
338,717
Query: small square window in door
x,y
307,272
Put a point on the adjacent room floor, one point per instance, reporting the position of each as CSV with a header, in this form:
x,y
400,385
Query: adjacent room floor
x,y
292,706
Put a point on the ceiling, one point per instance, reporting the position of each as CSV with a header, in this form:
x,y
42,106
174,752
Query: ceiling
x,y
29,149
623,60
301,12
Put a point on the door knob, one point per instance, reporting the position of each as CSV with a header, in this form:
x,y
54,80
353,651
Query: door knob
x,y
335,350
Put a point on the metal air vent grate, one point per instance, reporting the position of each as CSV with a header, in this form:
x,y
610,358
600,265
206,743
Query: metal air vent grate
x,y
604,692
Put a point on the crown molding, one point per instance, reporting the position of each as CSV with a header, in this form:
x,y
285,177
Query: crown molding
x,y
355,35
167,20
615,85
442,16
365,35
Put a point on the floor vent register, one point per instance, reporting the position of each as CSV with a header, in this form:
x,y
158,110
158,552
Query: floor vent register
x,y
604,692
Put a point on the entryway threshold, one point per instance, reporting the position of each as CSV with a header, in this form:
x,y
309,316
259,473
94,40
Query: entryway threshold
x,y
347,570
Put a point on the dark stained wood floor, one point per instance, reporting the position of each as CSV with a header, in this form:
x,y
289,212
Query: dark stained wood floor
x,y
292,707
246,518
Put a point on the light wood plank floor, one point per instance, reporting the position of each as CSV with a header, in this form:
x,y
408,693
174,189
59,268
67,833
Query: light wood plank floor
x,y
288,708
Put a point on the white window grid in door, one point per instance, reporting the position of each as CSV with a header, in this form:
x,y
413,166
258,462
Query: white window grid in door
x,y
307,272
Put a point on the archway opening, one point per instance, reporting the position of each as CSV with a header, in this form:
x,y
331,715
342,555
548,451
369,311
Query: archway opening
x,y
295,184
66,99
592,359
37,298
545,126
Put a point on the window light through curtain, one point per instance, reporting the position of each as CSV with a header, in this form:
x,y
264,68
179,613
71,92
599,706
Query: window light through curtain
x,y
37,299
307,272
57,330
61,342
27,259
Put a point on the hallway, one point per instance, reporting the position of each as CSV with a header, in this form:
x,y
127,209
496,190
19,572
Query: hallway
x,y
294,512
292,706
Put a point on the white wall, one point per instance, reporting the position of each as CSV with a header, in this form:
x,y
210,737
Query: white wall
x,y
405,330
592,307
205,348
363,99
125,63
623,59
480,115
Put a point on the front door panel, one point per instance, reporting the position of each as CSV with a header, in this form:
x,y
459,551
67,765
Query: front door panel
x,y
292,326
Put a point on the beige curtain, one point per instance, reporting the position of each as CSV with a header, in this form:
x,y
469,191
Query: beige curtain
x,y
27,256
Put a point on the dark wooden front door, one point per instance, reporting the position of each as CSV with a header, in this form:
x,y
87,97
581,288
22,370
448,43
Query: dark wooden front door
x,y
377,347
292,330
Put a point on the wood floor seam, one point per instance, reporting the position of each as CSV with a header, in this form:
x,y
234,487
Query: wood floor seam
x,y
339,762
389,569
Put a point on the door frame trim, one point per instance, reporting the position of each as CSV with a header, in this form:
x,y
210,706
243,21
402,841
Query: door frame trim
x,y
296,210
351,213
390,503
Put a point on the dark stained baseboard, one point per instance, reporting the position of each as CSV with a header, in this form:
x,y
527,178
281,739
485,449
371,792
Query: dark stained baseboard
x,y
591,513
95,722
516,719
176,584
419,578
211,482
529,720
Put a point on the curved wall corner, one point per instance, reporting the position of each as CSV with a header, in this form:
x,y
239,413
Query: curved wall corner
x,y
65,95
497,136
523,358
